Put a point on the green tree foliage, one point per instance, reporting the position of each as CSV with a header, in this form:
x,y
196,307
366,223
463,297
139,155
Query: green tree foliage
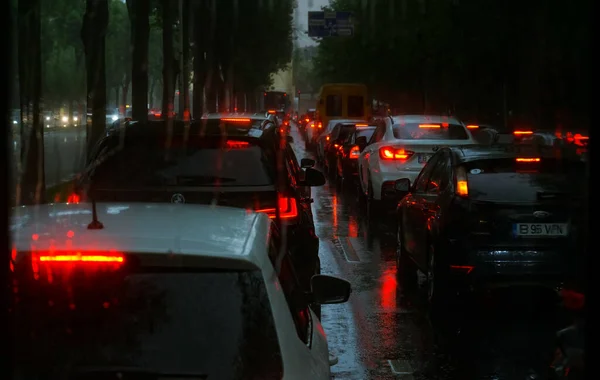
x,y
467,56
118,57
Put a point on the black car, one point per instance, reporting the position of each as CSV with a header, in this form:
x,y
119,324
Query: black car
x,y
218,160
483,217
336,138
348,152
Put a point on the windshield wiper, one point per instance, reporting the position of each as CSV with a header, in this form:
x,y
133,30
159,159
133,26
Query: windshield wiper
x,y
125,373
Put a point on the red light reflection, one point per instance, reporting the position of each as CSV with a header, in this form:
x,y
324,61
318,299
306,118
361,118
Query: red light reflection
x,y
389,285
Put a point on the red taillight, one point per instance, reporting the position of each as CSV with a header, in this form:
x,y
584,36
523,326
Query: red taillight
x,y
462,185
320,125
327,138
232,144
389,153
466,269
528,159
272,112
287,209
82,258
429,126
361,125
236,120
73,198
472,126
307,120
354,152
522,133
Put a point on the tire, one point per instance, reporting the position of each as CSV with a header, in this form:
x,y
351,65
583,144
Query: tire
x,y
315,307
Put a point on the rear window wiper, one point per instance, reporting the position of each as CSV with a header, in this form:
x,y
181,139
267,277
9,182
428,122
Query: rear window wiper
x,y
125,373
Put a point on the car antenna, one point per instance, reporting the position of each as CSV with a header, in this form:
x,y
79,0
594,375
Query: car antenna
x,y
95,223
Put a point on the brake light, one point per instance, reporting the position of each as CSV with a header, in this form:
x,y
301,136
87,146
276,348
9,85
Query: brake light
x,y
327,138
320,125
522,133
236,119
462,268
73,198
272,112
462,185
361,125
528,159
83,258
336,145
287,209
232,144
307,120
389,153
429,126
472,126
354,152
312,125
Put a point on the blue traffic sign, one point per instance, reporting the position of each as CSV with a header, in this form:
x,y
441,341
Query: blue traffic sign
x,y
330,24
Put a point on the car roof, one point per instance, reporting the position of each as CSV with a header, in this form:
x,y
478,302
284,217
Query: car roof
x,y
398,119
152,228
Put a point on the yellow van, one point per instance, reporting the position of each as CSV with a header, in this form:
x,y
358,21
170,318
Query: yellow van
x,y
342,101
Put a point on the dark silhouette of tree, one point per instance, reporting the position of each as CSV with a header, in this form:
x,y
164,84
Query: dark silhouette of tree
x,y
139,16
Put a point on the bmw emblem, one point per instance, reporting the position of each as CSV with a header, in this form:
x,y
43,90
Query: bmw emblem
x,y
177,198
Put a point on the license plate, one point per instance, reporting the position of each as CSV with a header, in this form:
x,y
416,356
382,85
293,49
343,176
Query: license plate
x,y
541,229
423,158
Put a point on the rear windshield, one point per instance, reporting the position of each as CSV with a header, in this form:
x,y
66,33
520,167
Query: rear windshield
x,y
366,133
333,105
426,131
214,325
356,106
200,162
343,132
505,180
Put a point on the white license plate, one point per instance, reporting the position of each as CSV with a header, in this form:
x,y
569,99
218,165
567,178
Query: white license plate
x,y
541,229
423,158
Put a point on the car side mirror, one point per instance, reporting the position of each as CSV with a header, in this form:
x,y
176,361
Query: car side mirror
x,y
361,141
402,187
329,290
313,177
307,163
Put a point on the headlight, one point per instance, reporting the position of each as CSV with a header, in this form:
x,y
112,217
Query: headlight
x,y
15,122
114,118
75,118
65,119
47,117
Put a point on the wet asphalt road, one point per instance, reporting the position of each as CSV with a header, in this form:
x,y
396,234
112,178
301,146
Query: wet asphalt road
x,y
384,331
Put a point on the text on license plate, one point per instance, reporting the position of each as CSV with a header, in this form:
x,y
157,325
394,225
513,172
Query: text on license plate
x,y
541,229
423,158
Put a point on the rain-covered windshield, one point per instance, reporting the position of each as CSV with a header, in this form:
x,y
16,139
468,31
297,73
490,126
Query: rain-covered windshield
x,y
162,127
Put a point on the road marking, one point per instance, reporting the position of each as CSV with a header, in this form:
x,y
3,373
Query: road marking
x,y
349,251
402,367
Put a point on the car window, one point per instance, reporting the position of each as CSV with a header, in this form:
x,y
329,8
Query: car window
x,y
506,180
440,175
423,178
143,163
429,131
333,105
356,106
342,132
169,322
377,134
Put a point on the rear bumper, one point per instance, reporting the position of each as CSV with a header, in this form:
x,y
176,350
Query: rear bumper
x,y
507,267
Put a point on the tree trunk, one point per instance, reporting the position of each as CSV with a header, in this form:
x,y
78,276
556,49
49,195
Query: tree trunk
x,y
168,59
93,32
32,185
139,12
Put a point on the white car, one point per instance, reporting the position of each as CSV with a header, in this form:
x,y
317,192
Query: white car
x,y
400,147
170,290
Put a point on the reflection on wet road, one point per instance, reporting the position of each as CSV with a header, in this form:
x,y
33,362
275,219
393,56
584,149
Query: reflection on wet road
x,y
384,332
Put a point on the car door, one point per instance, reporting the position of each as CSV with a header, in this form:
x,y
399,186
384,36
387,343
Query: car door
x,y
369,154
308,327
415,207
296,174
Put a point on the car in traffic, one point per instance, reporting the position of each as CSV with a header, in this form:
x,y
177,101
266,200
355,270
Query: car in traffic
x,y
348,153
334,141
324,135
219,160
123,290
487,217
399,148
